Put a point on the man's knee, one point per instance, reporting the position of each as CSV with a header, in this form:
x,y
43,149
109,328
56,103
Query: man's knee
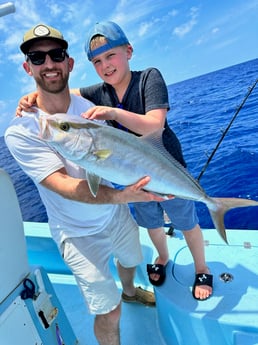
x,y
110,319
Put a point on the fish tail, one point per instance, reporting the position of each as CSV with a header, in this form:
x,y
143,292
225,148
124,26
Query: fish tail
x,y
220,206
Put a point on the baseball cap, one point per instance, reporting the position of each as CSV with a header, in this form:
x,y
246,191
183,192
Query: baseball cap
x,y
114,35
39,32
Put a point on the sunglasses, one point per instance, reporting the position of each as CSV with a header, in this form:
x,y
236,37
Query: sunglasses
x,y
39,57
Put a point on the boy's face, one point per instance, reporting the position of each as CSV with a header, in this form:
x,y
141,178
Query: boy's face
x,y
113,64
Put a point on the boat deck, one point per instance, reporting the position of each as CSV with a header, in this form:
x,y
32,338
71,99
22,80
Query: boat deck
x,y
230,315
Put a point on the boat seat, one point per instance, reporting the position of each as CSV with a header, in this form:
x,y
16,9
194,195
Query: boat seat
x,y
28,302
229,316
12,244
243,338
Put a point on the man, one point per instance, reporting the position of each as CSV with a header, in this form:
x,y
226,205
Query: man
x,y
87,230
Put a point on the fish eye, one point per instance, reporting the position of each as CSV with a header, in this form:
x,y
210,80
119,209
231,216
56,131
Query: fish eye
x,y
64,126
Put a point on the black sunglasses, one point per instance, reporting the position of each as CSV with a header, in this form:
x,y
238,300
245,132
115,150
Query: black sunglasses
x,y
38,57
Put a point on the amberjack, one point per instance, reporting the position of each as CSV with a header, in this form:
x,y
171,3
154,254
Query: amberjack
x,y
123,158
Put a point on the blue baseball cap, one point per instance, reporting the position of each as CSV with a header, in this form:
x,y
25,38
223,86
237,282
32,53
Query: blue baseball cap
x,y
113,34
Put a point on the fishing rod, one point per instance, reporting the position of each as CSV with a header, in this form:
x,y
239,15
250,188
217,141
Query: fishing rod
x,y
227,129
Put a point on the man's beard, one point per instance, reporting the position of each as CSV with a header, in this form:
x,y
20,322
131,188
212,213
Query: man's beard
x,y
55,87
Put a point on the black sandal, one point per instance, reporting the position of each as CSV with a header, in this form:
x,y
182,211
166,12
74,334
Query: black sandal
x,y
202,279
156,269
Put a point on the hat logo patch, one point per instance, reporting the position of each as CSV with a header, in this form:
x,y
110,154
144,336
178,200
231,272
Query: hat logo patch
x,y
41,30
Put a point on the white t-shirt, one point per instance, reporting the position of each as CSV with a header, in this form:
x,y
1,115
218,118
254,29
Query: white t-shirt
x,y
67,218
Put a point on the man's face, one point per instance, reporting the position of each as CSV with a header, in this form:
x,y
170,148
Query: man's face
x,y
50,76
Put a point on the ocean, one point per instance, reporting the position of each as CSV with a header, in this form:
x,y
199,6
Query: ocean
x,y
201,110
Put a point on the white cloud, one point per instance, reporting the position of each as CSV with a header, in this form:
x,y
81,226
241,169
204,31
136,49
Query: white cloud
x,y
27,14
215,30
55,10
144,27
207,37
27,84
186,27
13,40
16,58
2,105
173,13
226,43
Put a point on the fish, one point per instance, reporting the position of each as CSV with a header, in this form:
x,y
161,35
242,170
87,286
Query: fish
x,y
123,158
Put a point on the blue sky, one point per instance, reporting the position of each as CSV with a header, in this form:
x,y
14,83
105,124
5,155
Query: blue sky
x,y
183,39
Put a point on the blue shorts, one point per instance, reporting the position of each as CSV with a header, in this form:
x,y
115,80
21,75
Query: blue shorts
x,y
181,212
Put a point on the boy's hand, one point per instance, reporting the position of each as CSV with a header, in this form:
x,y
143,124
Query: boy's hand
x,y
26,103
100,113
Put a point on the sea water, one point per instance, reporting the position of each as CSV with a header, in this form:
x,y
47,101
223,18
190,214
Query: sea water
x,y
200,111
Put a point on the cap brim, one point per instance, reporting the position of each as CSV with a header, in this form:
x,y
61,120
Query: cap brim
x,y
25,47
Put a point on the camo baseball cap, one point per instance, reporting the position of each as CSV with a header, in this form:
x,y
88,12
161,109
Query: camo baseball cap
x,y
113,34
39,32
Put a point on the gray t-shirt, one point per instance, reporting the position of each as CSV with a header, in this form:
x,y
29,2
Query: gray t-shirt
x,y
146,91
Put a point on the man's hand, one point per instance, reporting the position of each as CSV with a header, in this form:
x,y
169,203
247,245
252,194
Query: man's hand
x,y
136,192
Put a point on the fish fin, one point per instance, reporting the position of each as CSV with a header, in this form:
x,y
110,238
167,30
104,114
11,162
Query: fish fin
x,y
102,154
155,139
93,182
222,206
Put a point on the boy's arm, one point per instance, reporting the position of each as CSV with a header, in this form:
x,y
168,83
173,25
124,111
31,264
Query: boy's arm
x,y
27,102
152,121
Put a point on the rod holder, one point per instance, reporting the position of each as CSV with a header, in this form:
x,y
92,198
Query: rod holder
x,y
6,8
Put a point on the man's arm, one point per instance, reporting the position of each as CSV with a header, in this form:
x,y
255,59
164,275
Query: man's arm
x,y
78,190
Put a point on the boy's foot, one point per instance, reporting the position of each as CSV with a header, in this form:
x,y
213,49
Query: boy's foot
x,y
158,274
156,270
202,287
